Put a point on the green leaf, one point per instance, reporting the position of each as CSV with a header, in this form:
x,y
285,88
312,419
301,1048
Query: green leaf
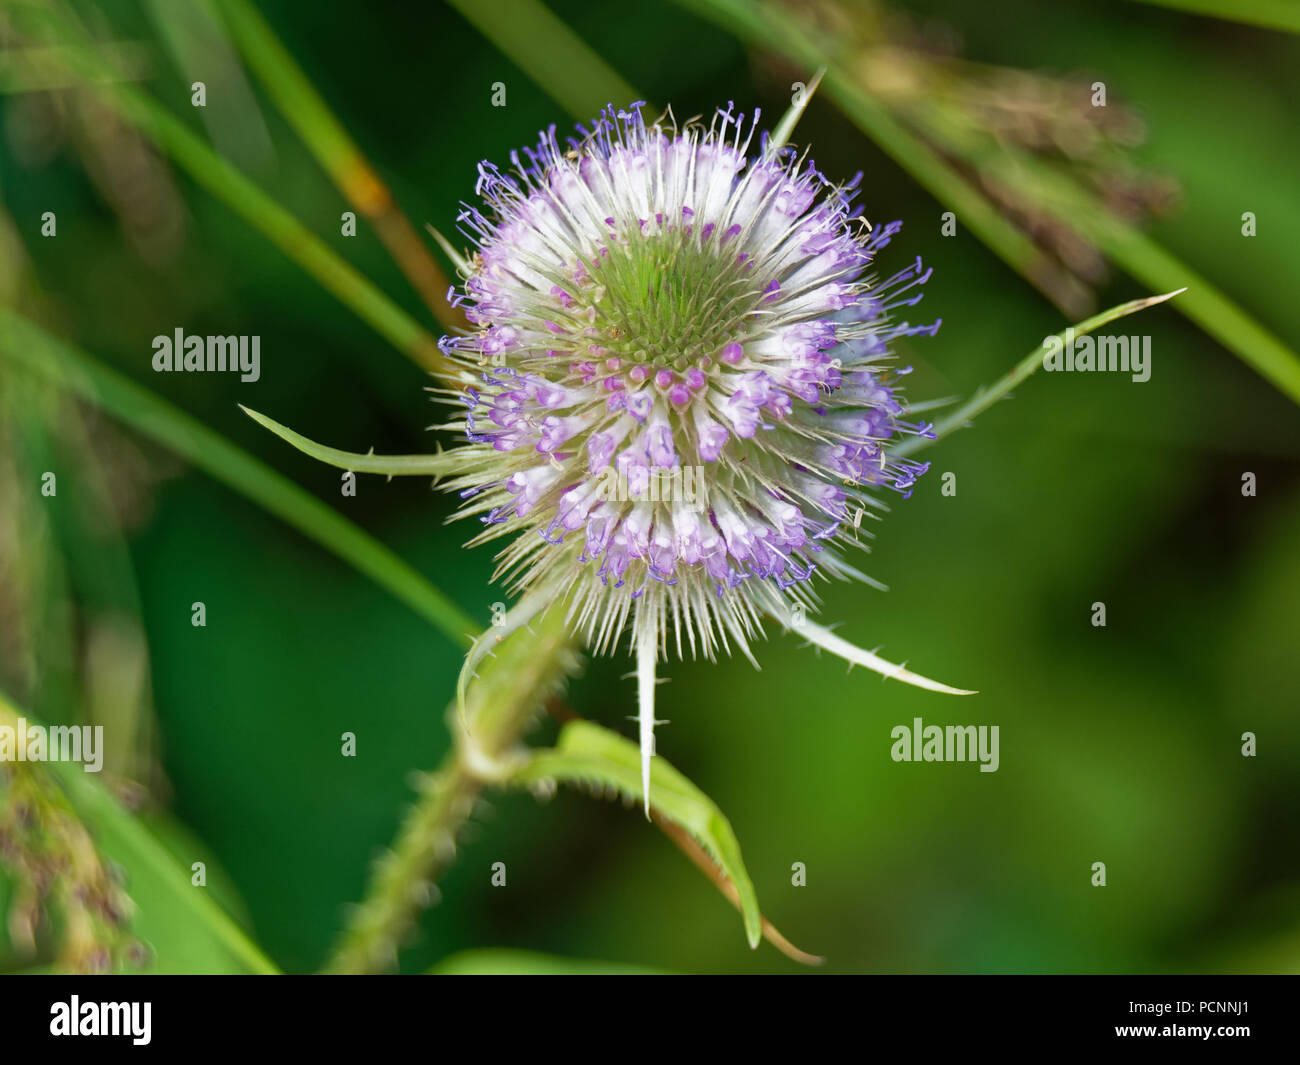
x,y
530,963
590,755
183,924
434,465
28,345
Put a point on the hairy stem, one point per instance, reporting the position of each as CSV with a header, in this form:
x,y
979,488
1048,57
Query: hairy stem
x,y
403,880
511,688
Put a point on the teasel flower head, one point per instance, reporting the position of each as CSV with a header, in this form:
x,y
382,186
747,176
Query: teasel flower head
x,y
681,400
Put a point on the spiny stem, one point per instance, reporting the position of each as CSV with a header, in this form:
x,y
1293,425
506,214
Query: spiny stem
x,y
512,686
403,880
986,397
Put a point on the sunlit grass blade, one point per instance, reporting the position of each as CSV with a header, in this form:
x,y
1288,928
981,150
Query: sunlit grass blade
x,y
550,53
233,188
303,107
589,755
27,345
986,397
1203,303
1147,261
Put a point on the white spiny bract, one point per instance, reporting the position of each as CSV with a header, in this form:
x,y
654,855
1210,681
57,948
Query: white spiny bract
x,y
682,393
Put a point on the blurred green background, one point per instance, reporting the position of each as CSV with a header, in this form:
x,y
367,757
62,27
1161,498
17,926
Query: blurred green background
x,y
1119,744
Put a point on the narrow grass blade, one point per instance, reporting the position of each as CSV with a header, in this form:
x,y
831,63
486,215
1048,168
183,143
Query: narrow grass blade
x,y
303,107
496,962
200,47
41,69
771,28
785,128
550,53
233,188
1149,262
1270,14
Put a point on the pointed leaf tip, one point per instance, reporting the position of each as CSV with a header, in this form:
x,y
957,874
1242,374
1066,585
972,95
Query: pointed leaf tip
x,y
837,645
587,753
457,260
435,465
785,128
